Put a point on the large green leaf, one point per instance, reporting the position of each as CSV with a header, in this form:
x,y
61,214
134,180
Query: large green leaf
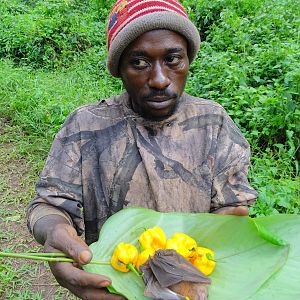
x,y
256,258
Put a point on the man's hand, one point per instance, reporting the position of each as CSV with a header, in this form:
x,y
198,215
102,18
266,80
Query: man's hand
x,y
63,238
237,211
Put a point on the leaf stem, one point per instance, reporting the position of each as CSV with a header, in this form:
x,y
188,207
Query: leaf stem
x,y
50,257
45,254
133,269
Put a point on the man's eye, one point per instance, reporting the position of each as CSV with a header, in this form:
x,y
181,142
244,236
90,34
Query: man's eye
x,y
139,63
173,60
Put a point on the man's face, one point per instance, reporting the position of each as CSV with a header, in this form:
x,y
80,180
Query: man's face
x,y
154,69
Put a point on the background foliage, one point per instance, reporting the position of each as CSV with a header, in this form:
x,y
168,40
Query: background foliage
x,y
52,59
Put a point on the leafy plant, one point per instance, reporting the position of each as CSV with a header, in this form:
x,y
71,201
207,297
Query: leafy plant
x,y
50,33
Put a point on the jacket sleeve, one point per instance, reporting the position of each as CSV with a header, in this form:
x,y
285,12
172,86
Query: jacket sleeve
x,y
59,188
230,185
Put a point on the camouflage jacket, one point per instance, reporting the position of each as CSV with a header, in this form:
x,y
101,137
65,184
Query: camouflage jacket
x,y
106,157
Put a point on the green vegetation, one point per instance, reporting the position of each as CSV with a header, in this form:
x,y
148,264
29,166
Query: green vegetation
x,y
52,59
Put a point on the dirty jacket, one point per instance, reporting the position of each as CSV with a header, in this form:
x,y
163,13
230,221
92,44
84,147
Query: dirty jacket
x,y
106,157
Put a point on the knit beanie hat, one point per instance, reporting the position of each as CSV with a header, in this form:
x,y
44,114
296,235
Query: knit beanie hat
x,y
129,19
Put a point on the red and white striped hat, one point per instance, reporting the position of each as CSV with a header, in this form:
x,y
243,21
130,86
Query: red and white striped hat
x,y
129,19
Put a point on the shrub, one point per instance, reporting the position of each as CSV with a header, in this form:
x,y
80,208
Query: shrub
x,y
49,34
250,63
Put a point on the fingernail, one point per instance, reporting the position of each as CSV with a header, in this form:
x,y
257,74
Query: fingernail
x,y
105,283
85,256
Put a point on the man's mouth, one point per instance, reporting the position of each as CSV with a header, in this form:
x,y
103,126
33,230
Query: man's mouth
x,y
160,102
159,99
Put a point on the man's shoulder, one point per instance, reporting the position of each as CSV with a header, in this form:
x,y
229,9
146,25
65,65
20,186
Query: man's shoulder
x,y
103,107
201,113
97,115
201,106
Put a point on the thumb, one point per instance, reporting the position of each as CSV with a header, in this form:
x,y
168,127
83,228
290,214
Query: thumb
x,y
64,238
85,256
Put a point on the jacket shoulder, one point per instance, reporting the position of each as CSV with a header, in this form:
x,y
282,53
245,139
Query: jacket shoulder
x,y
204,106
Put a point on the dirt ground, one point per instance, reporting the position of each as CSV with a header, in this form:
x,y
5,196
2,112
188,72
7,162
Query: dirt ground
x,y
20,279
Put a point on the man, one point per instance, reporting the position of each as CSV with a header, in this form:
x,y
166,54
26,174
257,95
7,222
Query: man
x,y
154,146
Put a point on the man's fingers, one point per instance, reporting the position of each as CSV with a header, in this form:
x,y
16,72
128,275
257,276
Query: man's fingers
x,y
93,293
87,279
66,272
237,211
241,211
83,284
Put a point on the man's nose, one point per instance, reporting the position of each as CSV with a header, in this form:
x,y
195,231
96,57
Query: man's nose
x,y
159,77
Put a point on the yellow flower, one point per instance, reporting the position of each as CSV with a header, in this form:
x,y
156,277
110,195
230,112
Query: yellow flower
x,y
144,256
183,244
124,256
204,260
153,238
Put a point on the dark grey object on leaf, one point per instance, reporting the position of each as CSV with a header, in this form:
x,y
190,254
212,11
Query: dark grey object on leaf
x,y
169,276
